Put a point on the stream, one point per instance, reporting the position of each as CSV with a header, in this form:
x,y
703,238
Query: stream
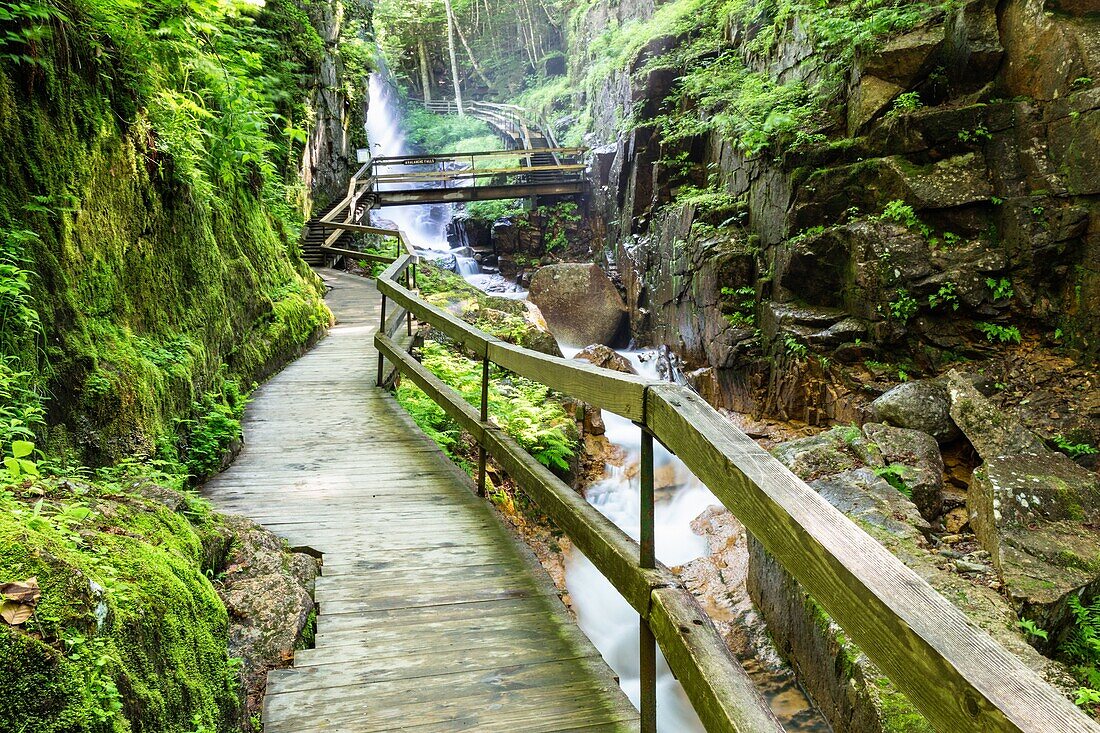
x,y
604,616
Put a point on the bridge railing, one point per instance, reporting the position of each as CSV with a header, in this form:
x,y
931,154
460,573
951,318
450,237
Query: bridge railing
x,y
515,167
509,119
957,675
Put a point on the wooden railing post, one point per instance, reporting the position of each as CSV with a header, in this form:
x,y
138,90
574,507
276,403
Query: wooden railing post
x,y
481,456
410,278
381,329
647,643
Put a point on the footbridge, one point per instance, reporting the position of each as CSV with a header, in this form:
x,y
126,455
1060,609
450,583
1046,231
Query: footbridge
x,y
432,617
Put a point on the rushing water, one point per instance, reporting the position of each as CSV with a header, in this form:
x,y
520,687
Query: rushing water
x,y
603,615
424,224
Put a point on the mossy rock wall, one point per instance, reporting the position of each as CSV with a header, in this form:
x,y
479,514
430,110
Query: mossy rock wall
x,y
129,633
144,290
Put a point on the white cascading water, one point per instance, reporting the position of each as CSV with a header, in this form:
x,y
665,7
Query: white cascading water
x,y
605,617
424,224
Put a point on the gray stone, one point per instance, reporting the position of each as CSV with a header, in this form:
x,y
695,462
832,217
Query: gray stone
x,y
865,497
992,432
580,304
820,455
922,405
1037,516
920,454
606,357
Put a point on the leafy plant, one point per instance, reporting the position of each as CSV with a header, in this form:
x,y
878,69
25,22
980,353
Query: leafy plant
x,y
1074,450
944,296
1028,627
743,302
907,102
903,307
996,333
978,133
897,475
1001,288
19,464
795,348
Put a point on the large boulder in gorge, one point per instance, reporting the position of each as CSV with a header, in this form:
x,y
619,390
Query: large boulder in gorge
x,y
916,457
1038,516
992,432
923,405
580,304
851,692
1034,510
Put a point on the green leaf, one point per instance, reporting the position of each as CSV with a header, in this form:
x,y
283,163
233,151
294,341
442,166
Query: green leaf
x,y
21,448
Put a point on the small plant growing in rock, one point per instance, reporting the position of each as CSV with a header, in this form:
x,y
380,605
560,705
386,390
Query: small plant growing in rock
x,y
978,133
950,239
903,307
902,213
945,296
1001,288
907,102
995,333
896,475
744,306
796,348
1081,82
1030,629
1074,450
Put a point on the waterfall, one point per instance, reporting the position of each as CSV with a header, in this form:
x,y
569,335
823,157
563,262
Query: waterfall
x,y
424,224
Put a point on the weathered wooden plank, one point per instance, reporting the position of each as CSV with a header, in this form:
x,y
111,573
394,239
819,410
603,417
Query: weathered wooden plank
x,y
719,688
957,676
422,584
623,394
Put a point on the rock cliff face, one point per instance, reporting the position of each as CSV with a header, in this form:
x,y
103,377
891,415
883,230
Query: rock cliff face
x,y
947,200
327,157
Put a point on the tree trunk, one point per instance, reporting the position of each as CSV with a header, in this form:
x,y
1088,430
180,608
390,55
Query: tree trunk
x,y
454,59
425,77
469,53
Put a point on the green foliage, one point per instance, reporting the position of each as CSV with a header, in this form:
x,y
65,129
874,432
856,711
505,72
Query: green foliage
x,y
795,348
522,408
1028,627
490,211
945,296
1081,648
1072,449
209,436
128,633
897,475
742,301
903,306
722,89
907,102
429,132
1000,288
978,134
997,333
903,214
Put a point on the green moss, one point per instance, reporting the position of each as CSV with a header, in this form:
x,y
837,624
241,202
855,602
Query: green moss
x,y
129,633
896,712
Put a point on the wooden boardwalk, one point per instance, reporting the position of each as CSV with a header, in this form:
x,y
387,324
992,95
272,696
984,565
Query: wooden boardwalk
x,y
433,616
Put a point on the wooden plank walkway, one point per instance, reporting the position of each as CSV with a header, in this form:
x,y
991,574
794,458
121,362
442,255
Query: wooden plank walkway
x,y
433,616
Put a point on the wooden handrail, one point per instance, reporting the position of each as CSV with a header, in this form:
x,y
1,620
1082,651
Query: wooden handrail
x,y
455,157
955,674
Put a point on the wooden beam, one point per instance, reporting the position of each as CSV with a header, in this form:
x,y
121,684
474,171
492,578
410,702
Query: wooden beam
x,y
623,394
956,675
476,193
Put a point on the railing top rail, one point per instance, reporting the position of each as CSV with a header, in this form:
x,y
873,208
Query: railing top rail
x,y
955,673
427,159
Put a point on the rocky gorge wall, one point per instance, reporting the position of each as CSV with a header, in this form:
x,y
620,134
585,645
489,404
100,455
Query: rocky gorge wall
x,y
989,171
939,216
